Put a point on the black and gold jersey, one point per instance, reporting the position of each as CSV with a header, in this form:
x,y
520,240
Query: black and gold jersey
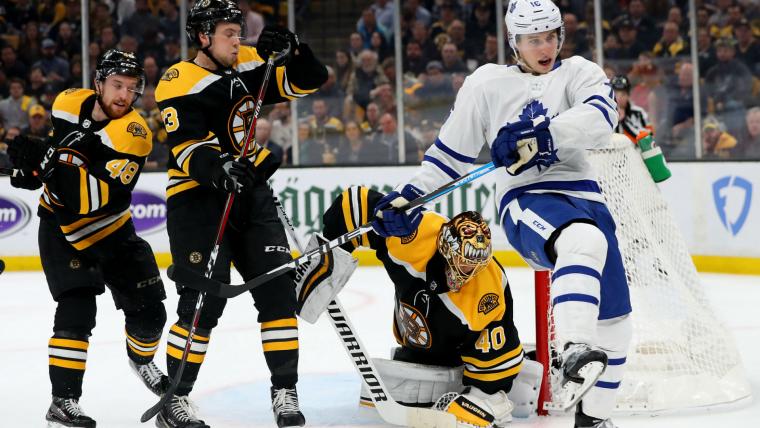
x,y
206,113
473,327
98,164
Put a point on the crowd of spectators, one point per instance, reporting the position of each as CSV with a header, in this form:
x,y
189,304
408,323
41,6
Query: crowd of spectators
x,y
353,118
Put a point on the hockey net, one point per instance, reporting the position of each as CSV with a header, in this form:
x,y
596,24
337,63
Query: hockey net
x,y
681,356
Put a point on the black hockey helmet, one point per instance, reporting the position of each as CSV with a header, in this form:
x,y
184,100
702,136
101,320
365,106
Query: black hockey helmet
x,y
621,83
205,14
124,63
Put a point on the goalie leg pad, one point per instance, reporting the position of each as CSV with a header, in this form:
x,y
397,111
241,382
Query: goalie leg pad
x,y
418,385
525,389
319,280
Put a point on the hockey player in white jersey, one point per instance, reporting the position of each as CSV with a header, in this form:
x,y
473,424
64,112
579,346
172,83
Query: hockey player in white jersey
x,y
539,117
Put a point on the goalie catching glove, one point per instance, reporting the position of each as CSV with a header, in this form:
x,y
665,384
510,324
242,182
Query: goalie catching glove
x,y
475,408
523,145
319,280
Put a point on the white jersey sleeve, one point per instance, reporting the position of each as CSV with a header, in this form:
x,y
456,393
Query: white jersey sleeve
x,y
592,116
459,141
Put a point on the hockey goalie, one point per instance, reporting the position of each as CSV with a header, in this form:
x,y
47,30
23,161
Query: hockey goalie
x,y
459,350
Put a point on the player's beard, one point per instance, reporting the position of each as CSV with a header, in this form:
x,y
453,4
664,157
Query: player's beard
x,y
114,111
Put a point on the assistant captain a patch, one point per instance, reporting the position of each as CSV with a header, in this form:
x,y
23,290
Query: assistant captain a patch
x,y
488,302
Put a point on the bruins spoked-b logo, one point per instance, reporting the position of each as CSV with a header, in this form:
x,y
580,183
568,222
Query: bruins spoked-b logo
x,y
170,74
137,130
488,302
240,120
412,326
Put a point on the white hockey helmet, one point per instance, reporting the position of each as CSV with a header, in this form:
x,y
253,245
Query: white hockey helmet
x,y
533,16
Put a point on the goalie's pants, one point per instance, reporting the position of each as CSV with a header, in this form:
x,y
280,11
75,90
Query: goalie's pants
x,y
255,242
533,222
127,266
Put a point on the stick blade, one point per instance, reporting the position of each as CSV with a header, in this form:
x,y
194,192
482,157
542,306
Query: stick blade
x,y
187,277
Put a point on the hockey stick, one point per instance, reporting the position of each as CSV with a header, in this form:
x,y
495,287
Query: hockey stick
x,y
150,413
193,280
388,409
11,172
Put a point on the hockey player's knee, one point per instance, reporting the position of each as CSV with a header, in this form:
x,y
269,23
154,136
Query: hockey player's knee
x,y
213,307
76,311
146,321
615,334
581,244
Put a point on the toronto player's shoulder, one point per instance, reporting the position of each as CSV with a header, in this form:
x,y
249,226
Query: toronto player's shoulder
x,y
487,73
183,78
578,65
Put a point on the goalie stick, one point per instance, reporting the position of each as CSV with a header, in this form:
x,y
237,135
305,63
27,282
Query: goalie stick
x,y
388,409
150,413
193,280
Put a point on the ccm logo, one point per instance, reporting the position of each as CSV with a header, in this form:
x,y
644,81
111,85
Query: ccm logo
x,y
276,249
539,225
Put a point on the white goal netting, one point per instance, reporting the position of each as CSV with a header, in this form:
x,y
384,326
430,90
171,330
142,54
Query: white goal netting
x,y
681,356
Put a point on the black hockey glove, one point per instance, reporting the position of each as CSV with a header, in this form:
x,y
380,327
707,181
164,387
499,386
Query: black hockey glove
x,y
277,39
233,175
25,180
32,154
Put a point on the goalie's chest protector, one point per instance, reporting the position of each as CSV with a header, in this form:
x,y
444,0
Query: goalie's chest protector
x,y
427,315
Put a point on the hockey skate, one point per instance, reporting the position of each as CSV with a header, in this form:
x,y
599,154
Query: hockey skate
x,y
581,367
285,407
151,376
179,412
65,412
583,420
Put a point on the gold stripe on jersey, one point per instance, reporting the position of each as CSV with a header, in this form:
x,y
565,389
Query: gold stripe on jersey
x,y
354,203
415,251
128,134
67,353
184,151
279,335
93,193
248,59
481,299
179,181
92,232
68,104
183,78
485,364
288,89
490,377
176,341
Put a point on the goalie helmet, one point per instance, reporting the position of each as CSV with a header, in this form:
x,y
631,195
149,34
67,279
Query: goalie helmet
x,y
465,244
533,16
123,63
205,14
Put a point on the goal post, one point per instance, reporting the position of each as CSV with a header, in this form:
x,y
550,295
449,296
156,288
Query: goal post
x,y
681,356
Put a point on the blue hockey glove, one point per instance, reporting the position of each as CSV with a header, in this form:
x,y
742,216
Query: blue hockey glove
x,y
391,221
523,145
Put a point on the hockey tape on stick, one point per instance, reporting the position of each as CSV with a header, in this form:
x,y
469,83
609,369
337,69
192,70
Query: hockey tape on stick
x,y
227,290
153,411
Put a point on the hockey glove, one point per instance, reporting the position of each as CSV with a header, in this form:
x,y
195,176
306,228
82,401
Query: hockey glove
x,y
32,154
231,174
25,180
389,220
523,145
474,407
277,39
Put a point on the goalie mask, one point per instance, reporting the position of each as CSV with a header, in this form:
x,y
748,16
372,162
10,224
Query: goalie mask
x,y
465,244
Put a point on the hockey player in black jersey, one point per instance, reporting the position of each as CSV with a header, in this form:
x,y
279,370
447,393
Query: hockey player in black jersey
x,y
207,105
459,348
89,167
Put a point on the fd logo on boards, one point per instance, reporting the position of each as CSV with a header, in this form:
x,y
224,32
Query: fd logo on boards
x,y
733,198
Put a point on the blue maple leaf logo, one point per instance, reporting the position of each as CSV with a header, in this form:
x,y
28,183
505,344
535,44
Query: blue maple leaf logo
x,y
533,110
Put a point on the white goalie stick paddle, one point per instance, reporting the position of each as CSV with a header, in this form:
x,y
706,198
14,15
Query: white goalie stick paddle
x,y
388,409
178,273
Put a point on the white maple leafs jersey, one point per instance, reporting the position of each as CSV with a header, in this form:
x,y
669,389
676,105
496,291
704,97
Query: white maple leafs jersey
x,y
576,95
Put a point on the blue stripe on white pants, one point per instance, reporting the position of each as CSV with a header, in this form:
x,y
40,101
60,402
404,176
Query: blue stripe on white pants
x,y
614,338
